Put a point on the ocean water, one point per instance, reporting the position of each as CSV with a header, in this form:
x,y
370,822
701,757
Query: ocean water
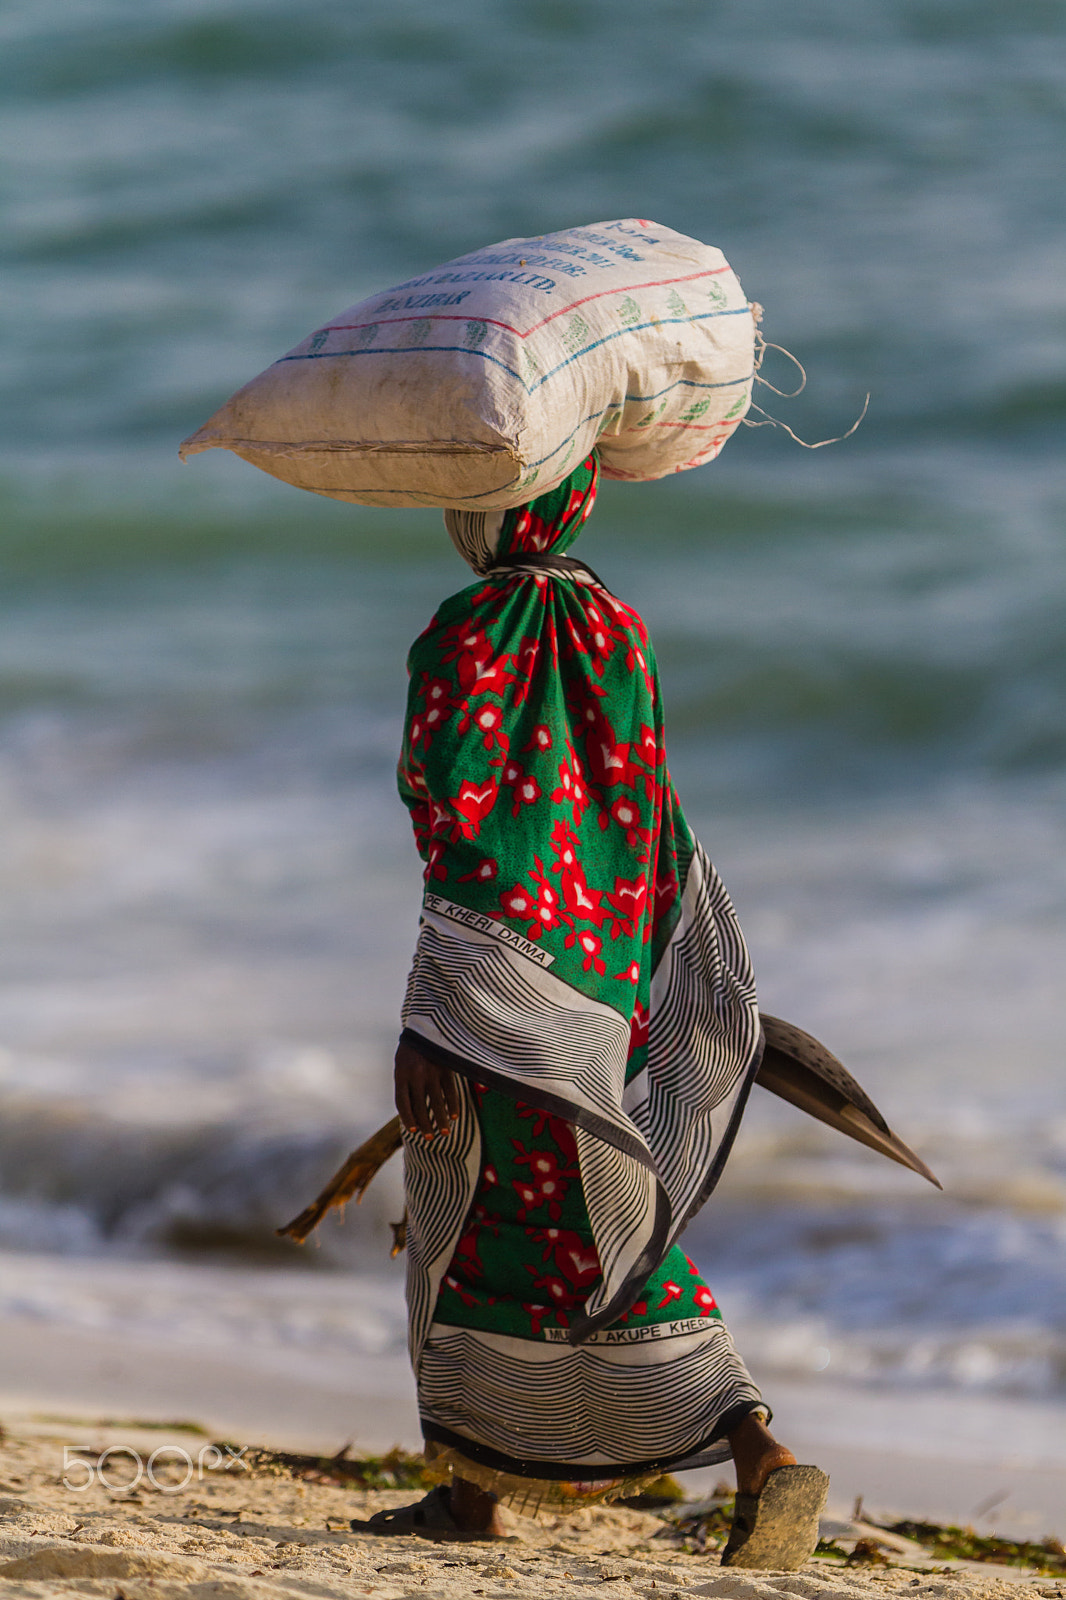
x,y
209,890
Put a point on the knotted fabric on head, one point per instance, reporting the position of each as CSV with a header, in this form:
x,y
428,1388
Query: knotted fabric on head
x,y
550,523
577,949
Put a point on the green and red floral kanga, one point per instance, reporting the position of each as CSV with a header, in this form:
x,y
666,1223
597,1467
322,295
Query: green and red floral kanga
x,y
534,766
535,773
525,1261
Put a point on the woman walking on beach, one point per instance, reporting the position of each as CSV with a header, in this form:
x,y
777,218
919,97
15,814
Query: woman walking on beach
x,y
580,1034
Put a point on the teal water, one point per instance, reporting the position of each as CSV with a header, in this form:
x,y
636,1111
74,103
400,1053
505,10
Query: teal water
x,y
209,892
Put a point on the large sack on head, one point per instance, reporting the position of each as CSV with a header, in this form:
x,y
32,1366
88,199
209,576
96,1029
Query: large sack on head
x,y
481,383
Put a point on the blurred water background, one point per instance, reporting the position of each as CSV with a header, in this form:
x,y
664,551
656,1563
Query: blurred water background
x,y
209,890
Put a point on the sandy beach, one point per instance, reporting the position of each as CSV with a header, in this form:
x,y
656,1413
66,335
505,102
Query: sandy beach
x,y
231,1530
73,1403
995,1463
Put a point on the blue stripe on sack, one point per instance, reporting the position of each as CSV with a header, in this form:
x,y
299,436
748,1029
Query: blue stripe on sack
x,y
659,322
462,349
686,383
402,350
593,416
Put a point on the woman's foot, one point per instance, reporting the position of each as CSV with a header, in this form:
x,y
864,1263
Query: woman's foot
x,y
778,1503
462,1511
756,1453
474,1510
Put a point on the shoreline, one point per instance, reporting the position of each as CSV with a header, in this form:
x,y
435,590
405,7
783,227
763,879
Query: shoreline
x,y
995,1464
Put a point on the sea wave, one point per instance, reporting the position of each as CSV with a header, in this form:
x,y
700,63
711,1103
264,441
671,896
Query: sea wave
x,y
885,181
817,1255
209,890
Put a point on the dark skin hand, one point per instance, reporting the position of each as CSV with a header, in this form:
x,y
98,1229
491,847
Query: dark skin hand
x,y
427,1096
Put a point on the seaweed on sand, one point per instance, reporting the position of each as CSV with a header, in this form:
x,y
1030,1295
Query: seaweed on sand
x,y
699,1528
945,1542
397,1469
706,1527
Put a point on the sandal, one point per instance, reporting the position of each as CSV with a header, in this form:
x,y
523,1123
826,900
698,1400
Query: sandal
x,y
777,1529
428,1518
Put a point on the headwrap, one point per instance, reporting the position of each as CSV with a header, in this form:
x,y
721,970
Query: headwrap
x,y
577,949
550,523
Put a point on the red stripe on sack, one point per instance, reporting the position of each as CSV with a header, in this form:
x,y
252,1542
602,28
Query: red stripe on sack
x,y
706,455
712,449
705,428
656,283
444,316
453,316
698,427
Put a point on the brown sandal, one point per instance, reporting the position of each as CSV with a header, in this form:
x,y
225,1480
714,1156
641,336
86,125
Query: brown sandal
x,y
776,1530
429,1518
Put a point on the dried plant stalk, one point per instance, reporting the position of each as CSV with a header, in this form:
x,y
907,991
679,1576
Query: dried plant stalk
x,y
794,1066
349,1183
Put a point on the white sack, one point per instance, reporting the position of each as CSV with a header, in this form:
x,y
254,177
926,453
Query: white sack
x,y
482,383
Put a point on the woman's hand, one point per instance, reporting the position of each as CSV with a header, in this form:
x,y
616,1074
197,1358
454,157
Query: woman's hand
x,y
427,1096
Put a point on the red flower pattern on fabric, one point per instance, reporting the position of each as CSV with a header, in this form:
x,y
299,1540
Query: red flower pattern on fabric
x,y
581,901
518,902
453,1283
541,739
537,1315
548,1237
627,815
546,1185
542,1120
572,787
472,804
466,1252
628,898
560,1295
526,665
435,867
525,788
639,1308
488,720
590,944
665,893
466,639
575,1258
492,677
638,1028
437,705
484,872
565,845
578,1262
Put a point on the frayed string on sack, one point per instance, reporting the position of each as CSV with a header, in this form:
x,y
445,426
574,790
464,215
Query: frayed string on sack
x,y
762,345
775,422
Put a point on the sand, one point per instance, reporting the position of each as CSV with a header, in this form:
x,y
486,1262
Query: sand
x,y
230,1532
998,1464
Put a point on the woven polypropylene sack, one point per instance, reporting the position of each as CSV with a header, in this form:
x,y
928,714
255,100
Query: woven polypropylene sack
x,y
482,382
